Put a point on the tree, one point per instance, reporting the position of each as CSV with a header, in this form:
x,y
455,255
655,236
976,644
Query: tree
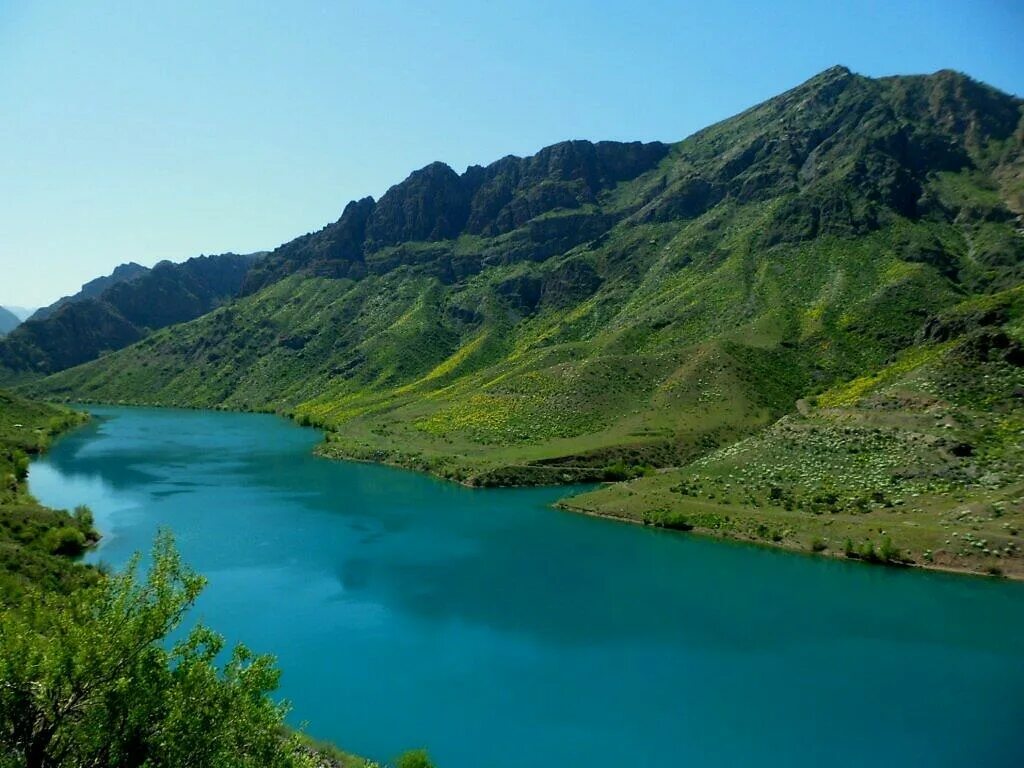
x,y
92,680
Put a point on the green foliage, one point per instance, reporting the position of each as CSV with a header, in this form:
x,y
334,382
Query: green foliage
x,y
95,680
20,465
66,540
416,758
662,518
35,542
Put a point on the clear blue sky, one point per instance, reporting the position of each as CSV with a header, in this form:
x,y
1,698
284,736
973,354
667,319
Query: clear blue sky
x,y
150,130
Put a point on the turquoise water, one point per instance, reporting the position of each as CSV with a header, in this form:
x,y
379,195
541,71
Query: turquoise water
x,y
499,632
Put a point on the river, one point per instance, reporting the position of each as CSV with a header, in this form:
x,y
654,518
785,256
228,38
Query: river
x,y
498,632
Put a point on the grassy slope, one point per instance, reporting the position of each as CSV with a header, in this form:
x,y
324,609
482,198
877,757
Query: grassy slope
x,y
650,370
919,462
668,337
34,541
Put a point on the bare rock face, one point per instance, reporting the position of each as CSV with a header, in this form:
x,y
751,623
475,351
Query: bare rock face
x,y
432,204
435,204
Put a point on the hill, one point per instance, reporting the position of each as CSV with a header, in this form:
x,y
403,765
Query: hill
x,y
115,311
918,462
122,273
22,313
601,311
8,321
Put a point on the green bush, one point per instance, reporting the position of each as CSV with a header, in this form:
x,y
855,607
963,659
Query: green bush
x,y
416,758
65,540
20,466
663,518
868,553
889,552
83,517
93,680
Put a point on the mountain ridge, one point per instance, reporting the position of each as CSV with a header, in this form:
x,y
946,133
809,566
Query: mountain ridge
x,y
435,203
94,288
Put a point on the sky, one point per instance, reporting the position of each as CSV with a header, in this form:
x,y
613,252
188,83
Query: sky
x,y
142,131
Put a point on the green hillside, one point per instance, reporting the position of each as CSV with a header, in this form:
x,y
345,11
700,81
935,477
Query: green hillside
x,y
599,311
917,462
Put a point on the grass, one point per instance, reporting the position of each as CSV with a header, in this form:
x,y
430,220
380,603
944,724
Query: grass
x,y
922,467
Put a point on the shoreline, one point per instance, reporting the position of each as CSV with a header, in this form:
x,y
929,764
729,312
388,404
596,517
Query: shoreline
x,y
827,553
565,505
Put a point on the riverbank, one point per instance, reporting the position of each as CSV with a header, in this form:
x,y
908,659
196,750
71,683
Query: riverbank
x,y
784,533
38,545
957,530
908,537
925,519
466,473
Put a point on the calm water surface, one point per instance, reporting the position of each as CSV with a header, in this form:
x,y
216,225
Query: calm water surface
x,y
498,632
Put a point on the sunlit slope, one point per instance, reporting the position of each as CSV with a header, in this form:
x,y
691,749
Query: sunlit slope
x,y
918,461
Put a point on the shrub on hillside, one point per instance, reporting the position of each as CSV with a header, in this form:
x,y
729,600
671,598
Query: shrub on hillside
x,y
66,540
416,758
93,680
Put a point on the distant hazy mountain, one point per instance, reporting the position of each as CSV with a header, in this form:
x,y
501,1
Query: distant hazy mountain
x,y
114,311
94,288
8,321
23,313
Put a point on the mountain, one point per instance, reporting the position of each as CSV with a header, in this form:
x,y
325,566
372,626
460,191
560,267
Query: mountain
x,y
22,313
436,204
845,256
8,321
134,302
94,288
